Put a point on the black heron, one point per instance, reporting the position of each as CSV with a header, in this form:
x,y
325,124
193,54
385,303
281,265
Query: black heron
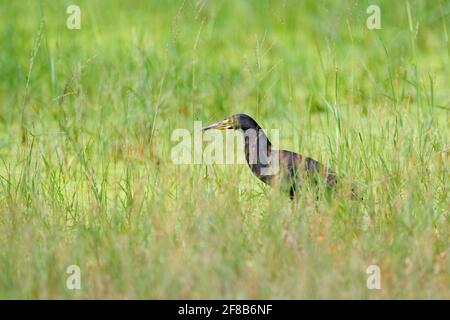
x,y
275,167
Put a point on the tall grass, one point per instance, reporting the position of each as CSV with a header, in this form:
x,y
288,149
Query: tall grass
x,y
86,177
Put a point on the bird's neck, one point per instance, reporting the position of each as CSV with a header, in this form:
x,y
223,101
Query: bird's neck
x,y
258,148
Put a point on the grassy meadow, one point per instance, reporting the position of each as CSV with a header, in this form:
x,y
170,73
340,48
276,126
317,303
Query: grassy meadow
x,y
87,179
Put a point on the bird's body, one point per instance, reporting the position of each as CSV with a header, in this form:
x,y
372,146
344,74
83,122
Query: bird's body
x,y
282,168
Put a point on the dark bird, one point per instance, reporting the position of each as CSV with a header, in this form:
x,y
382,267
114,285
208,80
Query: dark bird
x,y
284,168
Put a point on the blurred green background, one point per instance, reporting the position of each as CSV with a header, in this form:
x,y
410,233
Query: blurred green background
x,y
86,118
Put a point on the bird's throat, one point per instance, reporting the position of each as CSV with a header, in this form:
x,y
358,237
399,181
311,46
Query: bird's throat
x,y
258,149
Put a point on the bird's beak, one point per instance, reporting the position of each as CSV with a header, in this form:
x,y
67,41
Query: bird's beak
x,y
221,125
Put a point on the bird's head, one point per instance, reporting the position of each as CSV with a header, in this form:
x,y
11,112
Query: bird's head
x,y
237,122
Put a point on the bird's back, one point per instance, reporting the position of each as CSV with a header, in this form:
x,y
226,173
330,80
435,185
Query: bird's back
x,y
290,169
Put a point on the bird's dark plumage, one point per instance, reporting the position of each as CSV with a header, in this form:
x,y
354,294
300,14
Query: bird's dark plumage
x,y
284,168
